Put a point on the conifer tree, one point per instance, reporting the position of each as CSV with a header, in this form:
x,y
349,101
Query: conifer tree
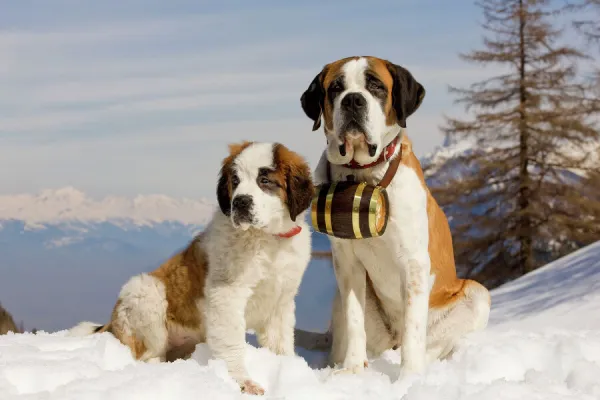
x,y
7,323
513,210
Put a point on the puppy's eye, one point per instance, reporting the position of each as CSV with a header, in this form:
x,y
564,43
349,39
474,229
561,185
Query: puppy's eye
x,y
235,180
374,84
264,180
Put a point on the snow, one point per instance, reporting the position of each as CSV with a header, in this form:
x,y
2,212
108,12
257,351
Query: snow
x,y
543,342
68,204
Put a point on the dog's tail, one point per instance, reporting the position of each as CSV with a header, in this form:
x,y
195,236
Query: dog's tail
x,y
87,328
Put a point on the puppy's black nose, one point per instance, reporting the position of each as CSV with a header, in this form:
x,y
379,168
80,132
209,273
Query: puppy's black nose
x,y
242,202
354,101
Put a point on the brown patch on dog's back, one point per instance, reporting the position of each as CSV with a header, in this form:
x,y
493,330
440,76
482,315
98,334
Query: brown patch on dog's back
x,y
447,288
184,275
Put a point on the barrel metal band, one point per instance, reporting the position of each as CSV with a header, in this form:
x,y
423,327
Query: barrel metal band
x,y
356,210
328,201
313,211
373,212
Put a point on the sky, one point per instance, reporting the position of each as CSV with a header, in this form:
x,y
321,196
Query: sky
x,y
127,97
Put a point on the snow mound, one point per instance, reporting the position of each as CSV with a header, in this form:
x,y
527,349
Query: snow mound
x,y
69,204
543,342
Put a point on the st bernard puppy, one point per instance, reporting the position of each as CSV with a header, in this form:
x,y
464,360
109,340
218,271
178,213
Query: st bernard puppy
x,y
241,273
399,289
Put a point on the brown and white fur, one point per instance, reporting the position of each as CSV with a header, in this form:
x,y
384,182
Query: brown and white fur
x,y
400,289
238,274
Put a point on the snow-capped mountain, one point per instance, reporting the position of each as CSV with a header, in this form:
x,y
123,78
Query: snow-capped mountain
x,y
445,161
68,205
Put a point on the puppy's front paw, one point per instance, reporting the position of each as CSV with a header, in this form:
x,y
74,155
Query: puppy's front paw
x,y
251,387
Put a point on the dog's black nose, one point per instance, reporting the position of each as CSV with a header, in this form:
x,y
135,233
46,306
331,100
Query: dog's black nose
x,y
372,150
354,101
242,202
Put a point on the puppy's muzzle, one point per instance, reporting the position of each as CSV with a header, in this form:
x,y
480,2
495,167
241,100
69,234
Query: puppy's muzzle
x,y
242,208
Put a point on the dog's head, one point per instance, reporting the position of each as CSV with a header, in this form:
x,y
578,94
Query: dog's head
x,y
265,186
364,102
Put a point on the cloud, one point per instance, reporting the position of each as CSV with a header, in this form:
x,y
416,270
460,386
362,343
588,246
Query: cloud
x,y
123,98
119,88
132,109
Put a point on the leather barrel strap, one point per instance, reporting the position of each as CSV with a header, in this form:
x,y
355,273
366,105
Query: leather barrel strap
x,y
391,171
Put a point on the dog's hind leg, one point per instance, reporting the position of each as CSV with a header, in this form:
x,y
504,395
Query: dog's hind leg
x,y
139,318
449,323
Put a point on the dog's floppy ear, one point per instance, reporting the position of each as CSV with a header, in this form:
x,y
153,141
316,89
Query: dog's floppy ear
x,y
407,93
313,100
223,195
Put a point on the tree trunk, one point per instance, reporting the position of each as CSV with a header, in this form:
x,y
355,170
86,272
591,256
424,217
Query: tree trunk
x,y
524,228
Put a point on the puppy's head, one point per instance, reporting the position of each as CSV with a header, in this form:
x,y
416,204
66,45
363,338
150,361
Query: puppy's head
x,y
364,102
265,186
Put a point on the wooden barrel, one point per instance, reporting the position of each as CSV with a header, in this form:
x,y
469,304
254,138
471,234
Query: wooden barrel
x,y
350,210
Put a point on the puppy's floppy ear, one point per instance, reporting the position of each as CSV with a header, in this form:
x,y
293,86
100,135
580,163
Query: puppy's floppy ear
x,y
407,93
299,189
223,195
313,100
298,179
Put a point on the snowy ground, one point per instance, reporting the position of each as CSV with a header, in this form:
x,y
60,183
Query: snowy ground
x,y
543,342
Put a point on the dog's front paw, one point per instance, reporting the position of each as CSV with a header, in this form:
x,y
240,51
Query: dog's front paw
x,y
352,368
411,368
251,387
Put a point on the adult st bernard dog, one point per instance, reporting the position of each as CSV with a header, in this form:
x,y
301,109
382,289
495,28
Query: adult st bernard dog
x,y
399,289
241,273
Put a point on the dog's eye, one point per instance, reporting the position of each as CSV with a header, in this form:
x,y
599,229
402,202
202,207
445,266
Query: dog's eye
x,y
336,86
235,180
264,180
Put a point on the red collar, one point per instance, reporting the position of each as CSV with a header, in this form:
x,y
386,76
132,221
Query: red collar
x,y
386,154
292,232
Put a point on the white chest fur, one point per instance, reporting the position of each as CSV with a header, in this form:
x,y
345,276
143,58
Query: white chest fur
x,y
407,237
252,280
397,263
